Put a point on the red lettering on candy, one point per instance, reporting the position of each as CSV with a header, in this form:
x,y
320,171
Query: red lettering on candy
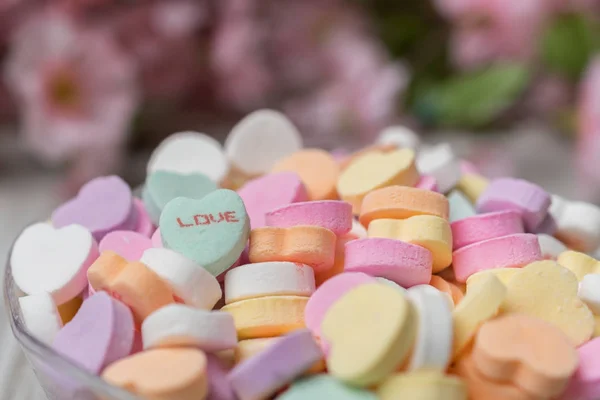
x,y
181,224
230,217
207,219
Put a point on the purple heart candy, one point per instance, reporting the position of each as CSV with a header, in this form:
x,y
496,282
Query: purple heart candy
x,y
218,385
100,333
103,205
263,375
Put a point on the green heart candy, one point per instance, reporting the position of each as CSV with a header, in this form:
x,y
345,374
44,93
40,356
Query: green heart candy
x,y
212,231
163,186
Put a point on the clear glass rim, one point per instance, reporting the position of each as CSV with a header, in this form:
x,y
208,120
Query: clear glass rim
x,y
39,349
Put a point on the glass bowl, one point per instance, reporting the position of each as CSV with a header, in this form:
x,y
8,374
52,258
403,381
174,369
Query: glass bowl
x,y
60,378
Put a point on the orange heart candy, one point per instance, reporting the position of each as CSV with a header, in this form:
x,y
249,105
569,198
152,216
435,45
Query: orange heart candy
x,y
130,282
526,351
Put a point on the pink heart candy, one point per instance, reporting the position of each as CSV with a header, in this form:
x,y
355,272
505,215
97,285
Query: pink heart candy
x,y
128,244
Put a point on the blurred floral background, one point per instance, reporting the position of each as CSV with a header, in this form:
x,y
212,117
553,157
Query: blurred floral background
x,y
85,82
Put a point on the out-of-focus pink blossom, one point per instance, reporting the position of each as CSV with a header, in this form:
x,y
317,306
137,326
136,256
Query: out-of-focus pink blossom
x,y
548,94
238,57
360,98
489,30
75,88
161,38
588,127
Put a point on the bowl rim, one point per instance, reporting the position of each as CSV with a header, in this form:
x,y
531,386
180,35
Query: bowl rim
x,y
33,346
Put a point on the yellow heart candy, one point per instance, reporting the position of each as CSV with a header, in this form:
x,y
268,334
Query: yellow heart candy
x,y
503,274
371,330
422,385
428,231
579,263
375,170
546,290
481,303
472,185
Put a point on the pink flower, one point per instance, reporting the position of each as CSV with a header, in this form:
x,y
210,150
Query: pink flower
x,y
238,57
75,89
489,30
161,38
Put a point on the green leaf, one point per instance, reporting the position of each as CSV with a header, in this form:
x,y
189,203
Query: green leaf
x,y
569,43
475,99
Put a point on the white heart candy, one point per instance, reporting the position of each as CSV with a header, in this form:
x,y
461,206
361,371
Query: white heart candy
x,y
440,162
261,139
55,261
190,152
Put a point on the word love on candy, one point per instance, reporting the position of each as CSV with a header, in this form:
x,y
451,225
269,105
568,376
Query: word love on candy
x,y
212,231
390,273
207,219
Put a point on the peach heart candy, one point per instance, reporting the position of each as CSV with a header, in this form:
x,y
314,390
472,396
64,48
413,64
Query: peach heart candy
x,y
530,200
482,388
212,231
103,205
399,202
548,291
55,261
485,226
268,192
161,374
101,333
130,282
310,245
529,352
330,214
511,251
128,244
375,170
404,263
316,168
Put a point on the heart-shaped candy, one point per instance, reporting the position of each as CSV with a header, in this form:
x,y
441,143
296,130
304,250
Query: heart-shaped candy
x,y
190,152
428,231
514,348
103,205
547,290
128,244
55,261
101,333
175,374
261,139
163,186
375,170
130,282
212,231
391,330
